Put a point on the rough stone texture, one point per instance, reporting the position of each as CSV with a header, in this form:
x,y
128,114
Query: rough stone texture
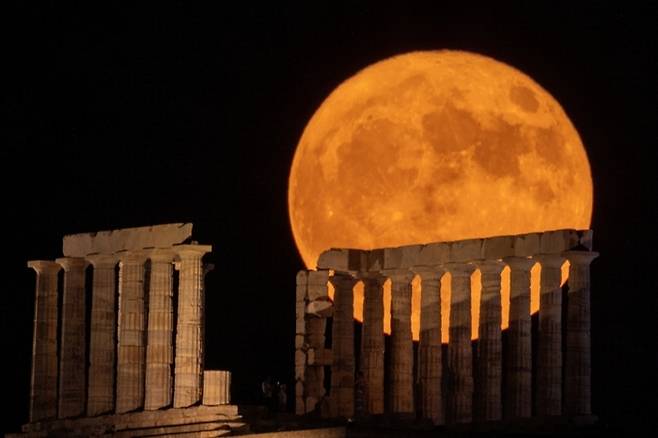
x,y
125,239
342,368
460,357
160,326
430,369
216,387
488,403
43,394
102,346
401,375
549,355
314,374
518,403
317,285
188,365
577,385
130,356
372,343
343,259
300,340
72,362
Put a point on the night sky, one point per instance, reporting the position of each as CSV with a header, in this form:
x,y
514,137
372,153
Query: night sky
x,y
139,115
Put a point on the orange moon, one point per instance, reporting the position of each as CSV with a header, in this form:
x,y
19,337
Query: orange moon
x,y
435,146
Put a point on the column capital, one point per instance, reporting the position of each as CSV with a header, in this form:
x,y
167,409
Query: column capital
x,y
191,250
162,255
44,266
69,263
399,275
342,279
372,276
102,261
490,266
135,257
460,269
520,263
429,273
550,260
580,257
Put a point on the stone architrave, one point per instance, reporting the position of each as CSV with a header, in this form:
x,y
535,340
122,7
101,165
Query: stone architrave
x,y
102,345
132,324
518,400
401,375
430,370
488,403
72,365
160,326
189,331
372,343
460,356
549,354
43,391
342,368
578,361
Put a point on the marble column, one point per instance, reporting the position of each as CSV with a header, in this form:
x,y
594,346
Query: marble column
x,y
488,403
72,360
549,354
372,342
102,345
460,357
131,332
578,359
342,368
189,330
160,326
43,385
430,370
401,375
518,400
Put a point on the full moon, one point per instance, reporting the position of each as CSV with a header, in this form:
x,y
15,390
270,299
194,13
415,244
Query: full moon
x,y
435,146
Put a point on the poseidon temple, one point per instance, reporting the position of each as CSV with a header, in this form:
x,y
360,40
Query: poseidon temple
x,y
131,362
464,382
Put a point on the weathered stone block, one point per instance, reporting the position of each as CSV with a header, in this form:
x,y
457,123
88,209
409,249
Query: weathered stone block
x,y
554,242
299,342
321,308
319,356
433,254
392,258
466,250
300,326
375,260
299,388
216,387
300,357
498,247
317,284
410,254
343,259
526,245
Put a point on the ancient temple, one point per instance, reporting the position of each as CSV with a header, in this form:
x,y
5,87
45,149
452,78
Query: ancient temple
x,y
462,382
136,366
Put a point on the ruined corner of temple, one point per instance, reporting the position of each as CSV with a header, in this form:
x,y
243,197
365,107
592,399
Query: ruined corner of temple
x,y
143,371
465,382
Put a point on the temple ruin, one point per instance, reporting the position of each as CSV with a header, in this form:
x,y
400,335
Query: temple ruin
x,y
143,373
484,383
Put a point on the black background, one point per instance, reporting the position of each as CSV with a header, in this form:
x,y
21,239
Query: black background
x,y
119,116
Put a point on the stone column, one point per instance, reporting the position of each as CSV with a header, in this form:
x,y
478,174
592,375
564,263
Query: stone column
x,y
300,341
518,401
430,370
372,342
578,359
549,355
316,326
401,375
159,344
43,385
489,352
342,368
102,346
189,330
130,356
460,357
72,360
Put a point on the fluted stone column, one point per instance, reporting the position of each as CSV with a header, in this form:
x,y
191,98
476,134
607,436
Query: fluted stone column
x,y
189,330
372,343
518,400
460,357
401,375
131,333
578,359
102,346
488,403
549,355
43,385
160,326
342,368
72,361
430,370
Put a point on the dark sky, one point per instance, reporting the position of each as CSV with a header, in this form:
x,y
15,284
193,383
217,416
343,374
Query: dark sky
x,y
138,115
